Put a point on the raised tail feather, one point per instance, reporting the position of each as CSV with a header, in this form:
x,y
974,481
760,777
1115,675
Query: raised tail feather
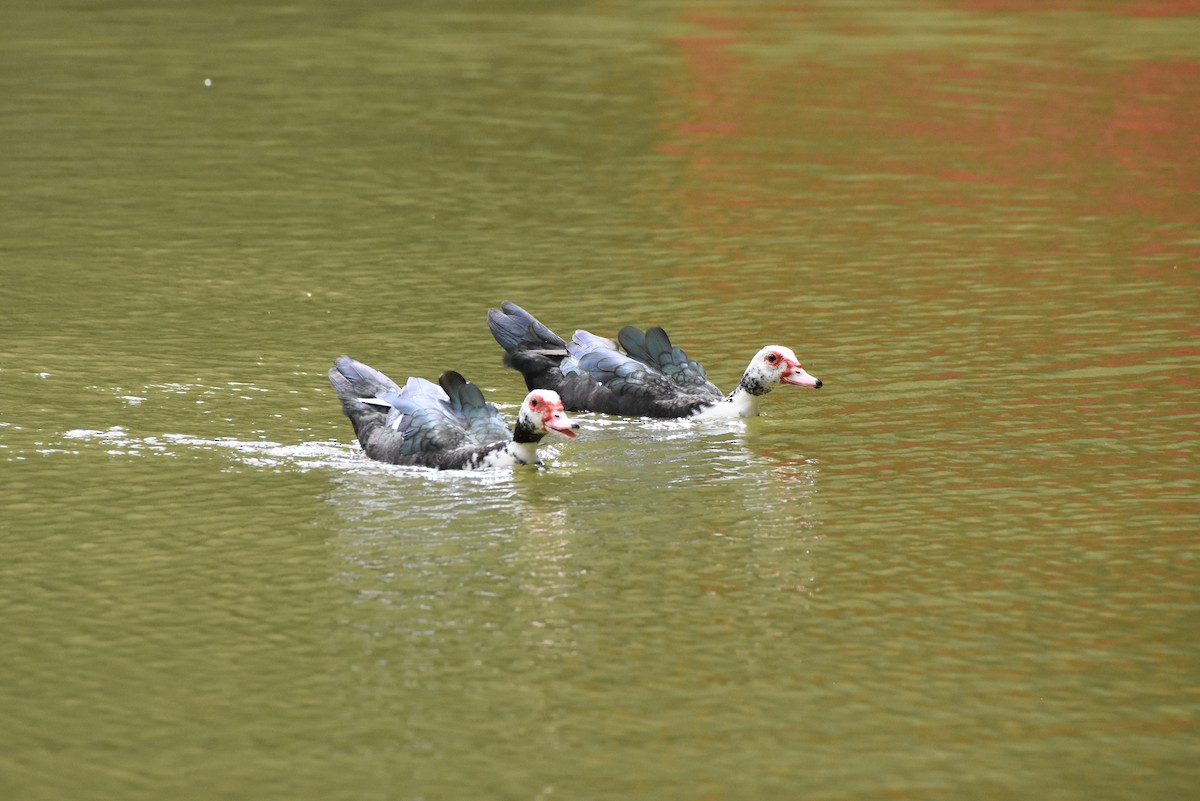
x,y
366,395
518,330
530,348
592,374
352,378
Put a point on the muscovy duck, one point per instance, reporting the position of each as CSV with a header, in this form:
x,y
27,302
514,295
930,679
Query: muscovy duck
x,y
649,379
449,427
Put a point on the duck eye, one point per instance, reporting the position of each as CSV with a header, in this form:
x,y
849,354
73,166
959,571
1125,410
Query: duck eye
x,y
533,402
773,358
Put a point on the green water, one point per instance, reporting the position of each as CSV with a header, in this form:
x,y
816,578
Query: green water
x,y
966,568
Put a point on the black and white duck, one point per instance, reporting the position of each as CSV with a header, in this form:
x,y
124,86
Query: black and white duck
x,y
447,425
649,378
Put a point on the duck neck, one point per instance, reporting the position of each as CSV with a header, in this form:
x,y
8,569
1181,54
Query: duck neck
x,y
752,385
743,402
739,403
523,451
745,396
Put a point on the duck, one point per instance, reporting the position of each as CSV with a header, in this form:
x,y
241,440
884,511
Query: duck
x,y
639,374
446,426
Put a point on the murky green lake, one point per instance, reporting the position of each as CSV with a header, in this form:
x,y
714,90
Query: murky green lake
x,y
964,569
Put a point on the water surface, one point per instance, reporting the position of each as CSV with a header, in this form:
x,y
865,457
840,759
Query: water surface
x,y
963,569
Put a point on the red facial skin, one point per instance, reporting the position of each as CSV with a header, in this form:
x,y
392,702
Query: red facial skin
x,y
789,365
553,418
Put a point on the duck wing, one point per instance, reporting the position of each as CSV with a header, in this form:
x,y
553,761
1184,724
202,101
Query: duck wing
x,y
599,377
369,399
624,376
422,415
517,330
591,373
530,348
653,347
480,419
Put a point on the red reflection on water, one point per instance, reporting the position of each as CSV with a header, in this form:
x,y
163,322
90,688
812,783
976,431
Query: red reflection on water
x,y
1126,145
1024,5
938,135
1153,122
1133,8
1159,8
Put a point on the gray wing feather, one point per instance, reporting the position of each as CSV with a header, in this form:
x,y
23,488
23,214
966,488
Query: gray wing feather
x,y
516,329
582,344
481,419
653,348
625,376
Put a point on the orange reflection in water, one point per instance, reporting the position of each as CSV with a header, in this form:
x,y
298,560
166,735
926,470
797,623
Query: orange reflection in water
x,y
1131,8
934,135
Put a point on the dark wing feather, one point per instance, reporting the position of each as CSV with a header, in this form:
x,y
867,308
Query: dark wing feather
x,y
481,419
449,426
591,374
530,348
517,330
620,384
653,347
429,431
353,377
428,422
625,376
367,397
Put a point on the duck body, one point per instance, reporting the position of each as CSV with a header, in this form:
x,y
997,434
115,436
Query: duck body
x,y
640,374
447,426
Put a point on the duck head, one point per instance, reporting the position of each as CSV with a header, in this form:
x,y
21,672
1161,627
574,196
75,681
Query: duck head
x,y
542,413
773,365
